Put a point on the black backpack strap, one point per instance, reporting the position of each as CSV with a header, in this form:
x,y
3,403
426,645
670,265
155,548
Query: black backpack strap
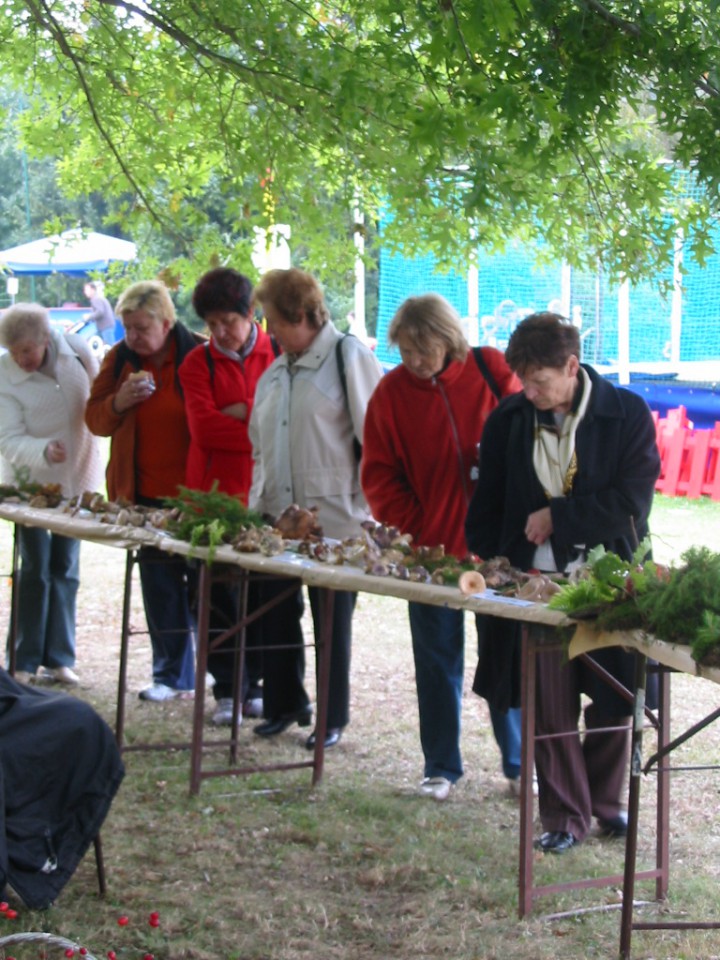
x,y
125,355
485,371
210,362
357,446
275,346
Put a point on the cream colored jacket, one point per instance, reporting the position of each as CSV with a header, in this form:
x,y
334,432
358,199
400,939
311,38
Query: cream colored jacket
x,y
302,432
35,409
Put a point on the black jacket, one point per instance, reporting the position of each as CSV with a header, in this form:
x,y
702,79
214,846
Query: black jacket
x,y
618,464
59,771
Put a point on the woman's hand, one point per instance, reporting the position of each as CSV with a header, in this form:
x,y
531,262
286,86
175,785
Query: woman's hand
x,y
55,452
133,391
539,526
238,411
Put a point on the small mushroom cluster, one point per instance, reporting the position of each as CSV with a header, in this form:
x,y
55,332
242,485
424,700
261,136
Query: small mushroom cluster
x,y
41,496
265,540
121,513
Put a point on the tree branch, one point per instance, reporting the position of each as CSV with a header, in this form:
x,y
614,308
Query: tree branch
x,y
49,22
626,26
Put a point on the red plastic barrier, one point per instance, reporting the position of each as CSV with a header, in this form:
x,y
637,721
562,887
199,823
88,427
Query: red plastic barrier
x,y
689,458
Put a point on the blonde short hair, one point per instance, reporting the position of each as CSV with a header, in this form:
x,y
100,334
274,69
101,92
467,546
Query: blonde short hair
x,y
295,294
426,320
152,296
24,321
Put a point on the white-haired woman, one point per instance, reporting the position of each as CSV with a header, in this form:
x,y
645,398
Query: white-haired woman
x,y
137,400
45,379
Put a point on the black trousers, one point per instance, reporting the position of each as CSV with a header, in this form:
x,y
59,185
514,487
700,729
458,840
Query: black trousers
x,y
284,669
222,661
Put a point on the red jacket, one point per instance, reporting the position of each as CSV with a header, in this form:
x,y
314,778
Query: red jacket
x,y
220,448
420,447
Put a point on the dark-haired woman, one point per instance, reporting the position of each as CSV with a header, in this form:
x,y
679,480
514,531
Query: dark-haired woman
x,y
218,380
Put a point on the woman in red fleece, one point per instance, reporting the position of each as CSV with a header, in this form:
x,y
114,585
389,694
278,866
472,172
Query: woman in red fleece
x,y
420,453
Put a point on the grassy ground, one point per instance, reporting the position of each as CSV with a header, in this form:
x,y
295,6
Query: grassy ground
x,y
264,867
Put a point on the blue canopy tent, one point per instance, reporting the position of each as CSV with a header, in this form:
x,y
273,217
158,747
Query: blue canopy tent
x,y
74,252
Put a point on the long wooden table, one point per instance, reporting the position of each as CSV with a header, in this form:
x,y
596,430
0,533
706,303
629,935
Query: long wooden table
x,y
329,578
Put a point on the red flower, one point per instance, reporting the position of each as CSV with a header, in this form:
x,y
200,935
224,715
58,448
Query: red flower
x,y
149,956
3,906
111,955
11,914
123,921
70,952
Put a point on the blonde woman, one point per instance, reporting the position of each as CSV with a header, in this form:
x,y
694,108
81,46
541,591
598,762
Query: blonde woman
x,y
138,402
422,432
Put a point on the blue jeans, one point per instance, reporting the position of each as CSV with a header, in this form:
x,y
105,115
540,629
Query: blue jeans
x,y
167,583
48,584
438,637
507,730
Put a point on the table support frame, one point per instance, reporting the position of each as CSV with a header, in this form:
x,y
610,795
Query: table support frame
x,y
199,744
533,645
637,771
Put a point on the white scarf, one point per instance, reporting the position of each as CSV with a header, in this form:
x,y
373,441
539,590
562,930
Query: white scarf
x,y
555,460
554,447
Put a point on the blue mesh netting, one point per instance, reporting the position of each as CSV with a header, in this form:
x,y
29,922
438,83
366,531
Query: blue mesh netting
x,y
510,286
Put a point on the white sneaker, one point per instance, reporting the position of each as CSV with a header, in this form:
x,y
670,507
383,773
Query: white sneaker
x,y
436,787
157,692
253,707
58,675
514,787
223,715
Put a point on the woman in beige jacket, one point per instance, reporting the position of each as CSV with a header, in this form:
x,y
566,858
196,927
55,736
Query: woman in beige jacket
x,y
305,429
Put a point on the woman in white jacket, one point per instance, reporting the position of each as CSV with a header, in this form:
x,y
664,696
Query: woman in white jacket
x,y
44,385
305,428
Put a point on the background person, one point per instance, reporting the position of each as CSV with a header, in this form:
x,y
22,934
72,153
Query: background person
x,y
44,384
137,400
304,428
219,380
101,312
568,464
422,430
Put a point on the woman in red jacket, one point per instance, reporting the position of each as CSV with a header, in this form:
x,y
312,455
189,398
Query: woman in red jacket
x,y
218,380
419,466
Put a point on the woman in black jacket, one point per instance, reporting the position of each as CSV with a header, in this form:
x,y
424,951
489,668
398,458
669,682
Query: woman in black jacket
x,y
569,463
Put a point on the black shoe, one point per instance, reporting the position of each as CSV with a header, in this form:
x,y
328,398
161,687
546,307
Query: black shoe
x,y
332,736
556,841
275,725
614,826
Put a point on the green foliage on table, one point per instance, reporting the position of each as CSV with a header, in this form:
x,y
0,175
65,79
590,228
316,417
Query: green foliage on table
x,y
607,586
684,609
209,518
679,604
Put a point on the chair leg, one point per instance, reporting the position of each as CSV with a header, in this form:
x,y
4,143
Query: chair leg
x,y
100,865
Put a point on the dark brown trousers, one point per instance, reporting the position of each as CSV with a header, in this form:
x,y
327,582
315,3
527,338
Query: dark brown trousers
x,y
580,776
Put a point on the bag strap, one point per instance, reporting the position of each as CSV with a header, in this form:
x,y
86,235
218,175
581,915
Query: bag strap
x,y
210,361
357,446
485,371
